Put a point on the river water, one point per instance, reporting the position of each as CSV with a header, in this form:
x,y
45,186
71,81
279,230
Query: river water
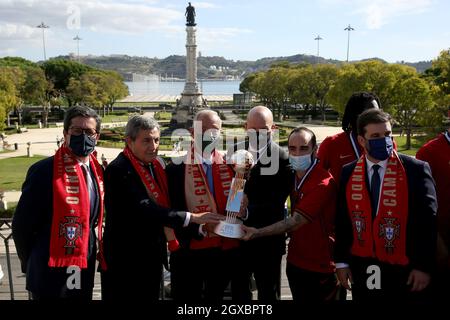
x,y
176,87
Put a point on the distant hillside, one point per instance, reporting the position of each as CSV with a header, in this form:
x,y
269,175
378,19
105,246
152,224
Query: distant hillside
x,y
420,66
208,67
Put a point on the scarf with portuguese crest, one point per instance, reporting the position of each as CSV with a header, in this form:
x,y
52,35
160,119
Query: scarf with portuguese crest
x,y
69,237
385,237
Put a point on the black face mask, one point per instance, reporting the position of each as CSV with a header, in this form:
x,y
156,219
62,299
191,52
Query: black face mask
x,y
258,138
82,145
209,144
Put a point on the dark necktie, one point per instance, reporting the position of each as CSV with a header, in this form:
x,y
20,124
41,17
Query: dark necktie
x,y
209,176
375,189
90,187
153,172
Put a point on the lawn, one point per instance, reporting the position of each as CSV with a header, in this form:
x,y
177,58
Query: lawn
x,y
114,118
140,104
416,143
14,170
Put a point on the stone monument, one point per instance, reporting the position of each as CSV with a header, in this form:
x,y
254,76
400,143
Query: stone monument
x,y
191,98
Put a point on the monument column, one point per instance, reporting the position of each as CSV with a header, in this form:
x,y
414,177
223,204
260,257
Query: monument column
x,y
191,85
191,97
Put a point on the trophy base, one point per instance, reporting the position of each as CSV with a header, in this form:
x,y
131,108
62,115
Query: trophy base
x,y
229,230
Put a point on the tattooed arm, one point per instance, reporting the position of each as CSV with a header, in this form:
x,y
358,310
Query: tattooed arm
x,y
287,225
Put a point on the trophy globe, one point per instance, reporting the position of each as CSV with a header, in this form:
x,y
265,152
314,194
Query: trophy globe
x,y
242,162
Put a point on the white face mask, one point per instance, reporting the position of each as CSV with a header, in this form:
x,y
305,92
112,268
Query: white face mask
x,y
300,163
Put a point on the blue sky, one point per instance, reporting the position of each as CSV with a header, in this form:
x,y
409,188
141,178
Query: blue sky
x,y
394,30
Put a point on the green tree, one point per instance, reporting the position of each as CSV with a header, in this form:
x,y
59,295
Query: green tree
x,y
373,75
299,88
16,77
89,90
439,78
411,100
31,83
8,96
37,90
59,72
324,77
115,88
245,85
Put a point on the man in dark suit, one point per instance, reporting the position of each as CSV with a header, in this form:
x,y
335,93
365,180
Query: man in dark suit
x,y
437,153
270,183
386,219
202,269
55,219
138,208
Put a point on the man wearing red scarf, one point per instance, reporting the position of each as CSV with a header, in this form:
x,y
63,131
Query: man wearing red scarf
x,y
386,219
138,208
201,181
437,153
60,206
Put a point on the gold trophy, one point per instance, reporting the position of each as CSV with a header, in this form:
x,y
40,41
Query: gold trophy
x,y
242,161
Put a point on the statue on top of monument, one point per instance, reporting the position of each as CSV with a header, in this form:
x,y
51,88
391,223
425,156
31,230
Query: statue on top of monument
x,y
190,16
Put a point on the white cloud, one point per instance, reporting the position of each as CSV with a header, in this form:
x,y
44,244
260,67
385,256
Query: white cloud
x,y
102,16
10,31
7,52
19,18
381,12
215,38
377,13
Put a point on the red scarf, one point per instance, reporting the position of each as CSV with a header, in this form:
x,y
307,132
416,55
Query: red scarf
x,y
385,238
69,238
158,192
199,198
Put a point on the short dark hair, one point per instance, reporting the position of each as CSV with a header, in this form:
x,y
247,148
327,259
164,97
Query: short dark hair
x,y
371,116
358,103
313,136
82,111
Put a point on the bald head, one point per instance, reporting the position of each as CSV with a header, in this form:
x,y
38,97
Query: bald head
x,y
259,117
209,120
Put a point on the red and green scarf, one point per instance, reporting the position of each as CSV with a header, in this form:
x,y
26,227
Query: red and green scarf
x,y
69,238
385,237
199,198
158,192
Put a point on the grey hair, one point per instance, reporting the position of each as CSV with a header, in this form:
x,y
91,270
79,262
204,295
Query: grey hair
x,y
137,123
199,115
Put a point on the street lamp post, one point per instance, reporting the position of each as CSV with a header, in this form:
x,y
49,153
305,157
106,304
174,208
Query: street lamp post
x,y
349,28
77,38
43,27
318,38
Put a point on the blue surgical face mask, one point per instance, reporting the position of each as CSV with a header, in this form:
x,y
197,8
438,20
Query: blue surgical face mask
x,y
380,148
82,145
300,163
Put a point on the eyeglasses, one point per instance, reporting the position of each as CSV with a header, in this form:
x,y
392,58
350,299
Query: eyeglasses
x,y
76,131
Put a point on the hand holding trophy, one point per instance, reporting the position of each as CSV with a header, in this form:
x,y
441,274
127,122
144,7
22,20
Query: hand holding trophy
x,y
242,161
